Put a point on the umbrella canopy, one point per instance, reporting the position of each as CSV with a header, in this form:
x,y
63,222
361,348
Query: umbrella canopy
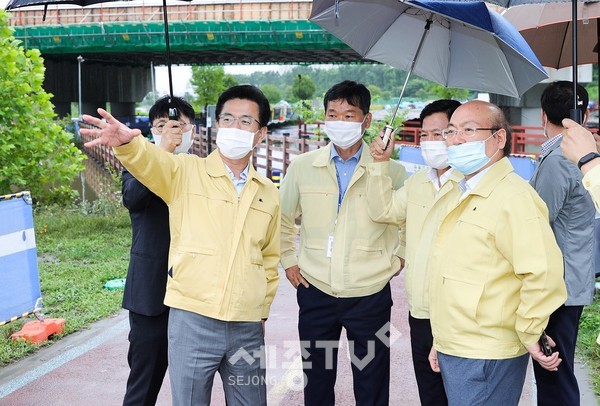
x,y
14,4
548,29
575,113
459,45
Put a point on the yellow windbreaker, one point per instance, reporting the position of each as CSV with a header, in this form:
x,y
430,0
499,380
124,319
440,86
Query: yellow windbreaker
x,y
591,181
224,249
496,273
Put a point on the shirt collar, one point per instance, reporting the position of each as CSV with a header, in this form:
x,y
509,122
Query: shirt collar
x,y
334,154
439,182
243,175
549,145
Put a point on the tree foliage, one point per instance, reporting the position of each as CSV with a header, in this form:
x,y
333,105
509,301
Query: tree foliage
x,y
208,83
441,92
272,93
303,88
36,153
389,80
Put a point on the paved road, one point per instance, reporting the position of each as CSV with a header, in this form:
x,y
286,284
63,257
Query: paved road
x,y
90,368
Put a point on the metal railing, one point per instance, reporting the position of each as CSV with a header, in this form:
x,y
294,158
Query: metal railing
x,y
277,151
122,12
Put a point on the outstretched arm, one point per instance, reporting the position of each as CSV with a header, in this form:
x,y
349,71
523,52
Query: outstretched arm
x,y
110,132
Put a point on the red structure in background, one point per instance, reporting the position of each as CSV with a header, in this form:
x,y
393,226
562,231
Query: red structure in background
x,y
525,140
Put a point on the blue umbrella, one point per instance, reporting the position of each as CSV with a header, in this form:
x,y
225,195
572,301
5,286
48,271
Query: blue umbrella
x,y
575,112
456,44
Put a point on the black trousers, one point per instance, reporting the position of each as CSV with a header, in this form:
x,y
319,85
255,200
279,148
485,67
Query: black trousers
x,y
560,387
430,384
320,325
147,358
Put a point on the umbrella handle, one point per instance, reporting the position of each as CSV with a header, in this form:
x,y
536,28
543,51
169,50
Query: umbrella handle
x,y
387,134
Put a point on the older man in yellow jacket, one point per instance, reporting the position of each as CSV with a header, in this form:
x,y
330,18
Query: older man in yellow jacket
x,y
496,272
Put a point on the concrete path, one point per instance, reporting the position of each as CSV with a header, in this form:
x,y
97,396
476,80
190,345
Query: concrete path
x,y
90,367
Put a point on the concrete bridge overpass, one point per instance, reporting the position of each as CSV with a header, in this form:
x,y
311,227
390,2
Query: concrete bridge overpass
x,y
119,43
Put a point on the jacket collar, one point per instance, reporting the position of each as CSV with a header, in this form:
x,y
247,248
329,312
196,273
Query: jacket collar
x,y
497,172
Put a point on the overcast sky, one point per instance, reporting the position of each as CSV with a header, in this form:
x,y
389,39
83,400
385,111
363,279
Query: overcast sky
x,y
183,74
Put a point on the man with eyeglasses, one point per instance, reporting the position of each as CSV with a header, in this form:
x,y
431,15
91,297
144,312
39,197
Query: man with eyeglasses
x,y
146,281
224,224
572,217
345,260
495,269
408,208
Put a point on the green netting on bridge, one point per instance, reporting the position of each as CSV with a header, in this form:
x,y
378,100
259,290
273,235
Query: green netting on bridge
x,y
184,36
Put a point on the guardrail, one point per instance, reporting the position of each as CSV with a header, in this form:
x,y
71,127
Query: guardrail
x,y
100,153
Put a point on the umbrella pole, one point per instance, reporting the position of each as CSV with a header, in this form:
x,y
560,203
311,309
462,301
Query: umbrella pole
x,y
575,112
168,48
388,129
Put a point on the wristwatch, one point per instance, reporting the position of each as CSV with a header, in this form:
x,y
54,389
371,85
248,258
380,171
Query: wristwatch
x,y
587,158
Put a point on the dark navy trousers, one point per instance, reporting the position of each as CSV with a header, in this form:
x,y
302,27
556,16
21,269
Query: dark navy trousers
x,y
147,358
430,383
560,387
366,320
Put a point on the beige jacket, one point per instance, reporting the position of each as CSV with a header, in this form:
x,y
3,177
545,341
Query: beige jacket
x,y
362,257
408,208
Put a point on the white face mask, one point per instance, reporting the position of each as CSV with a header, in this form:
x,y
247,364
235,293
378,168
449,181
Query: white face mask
x,y
343,134
186,141
234,143
435,154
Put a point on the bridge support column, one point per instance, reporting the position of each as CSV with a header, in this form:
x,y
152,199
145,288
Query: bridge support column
x,y
122,109
121,86
62,109
91,108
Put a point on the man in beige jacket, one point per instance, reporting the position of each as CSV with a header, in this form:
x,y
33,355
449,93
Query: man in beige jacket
x,y
345,260
408,208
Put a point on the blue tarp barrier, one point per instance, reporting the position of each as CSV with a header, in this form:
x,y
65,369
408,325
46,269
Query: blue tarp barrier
x,y
19,277
412,160
524,165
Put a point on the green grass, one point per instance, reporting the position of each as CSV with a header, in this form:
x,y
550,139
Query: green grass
x,y
77,254
588,351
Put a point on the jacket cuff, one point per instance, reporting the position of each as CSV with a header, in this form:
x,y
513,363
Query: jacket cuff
x,y
378,168
528,339
289,261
